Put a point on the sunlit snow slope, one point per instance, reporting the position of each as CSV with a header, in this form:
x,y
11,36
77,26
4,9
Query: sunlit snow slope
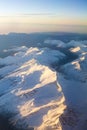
x,y
46,89
29,90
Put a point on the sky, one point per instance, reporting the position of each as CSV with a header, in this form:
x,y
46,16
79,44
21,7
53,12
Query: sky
x,y
43,16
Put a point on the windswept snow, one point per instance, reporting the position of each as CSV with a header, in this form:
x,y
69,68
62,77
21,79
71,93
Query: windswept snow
x,y
73,80
75,49
44,56
58,43
29,89
36,95
15,49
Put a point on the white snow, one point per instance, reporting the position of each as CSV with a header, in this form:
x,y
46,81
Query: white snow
x,y
58,43
75,49
14,49
73,80
36,94
29,89
44,56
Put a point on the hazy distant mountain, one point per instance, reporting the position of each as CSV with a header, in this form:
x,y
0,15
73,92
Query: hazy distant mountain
x,y
19,39
45,86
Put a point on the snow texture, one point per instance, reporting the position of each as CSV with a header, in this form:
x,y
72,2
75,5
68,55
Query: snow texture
x,y
36,95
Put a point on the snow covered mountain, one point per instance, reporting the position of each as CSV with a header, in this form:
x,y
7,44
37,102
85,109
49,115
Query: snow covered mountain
x,y
42,88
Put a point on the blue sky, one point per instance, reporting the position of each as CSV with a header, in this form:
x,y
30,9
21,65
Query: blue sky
x,y
42,12
75,7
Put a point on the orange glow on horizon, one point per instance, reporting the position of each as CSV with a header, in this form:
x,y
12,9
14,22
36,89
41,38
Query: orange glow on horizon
x,y
41,23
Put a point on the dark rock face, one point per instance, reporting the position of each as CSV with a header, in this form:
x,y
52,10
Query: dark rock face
x,y
5,124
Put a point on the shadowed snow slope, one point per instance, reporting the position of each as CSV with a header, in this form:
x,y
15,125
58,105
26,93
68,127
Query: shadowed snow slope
x,y
58,43
29,89
73,80
35,94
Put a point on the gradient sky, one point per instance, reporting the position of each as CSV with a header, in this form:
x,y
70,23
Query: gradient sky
x,y
43,15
